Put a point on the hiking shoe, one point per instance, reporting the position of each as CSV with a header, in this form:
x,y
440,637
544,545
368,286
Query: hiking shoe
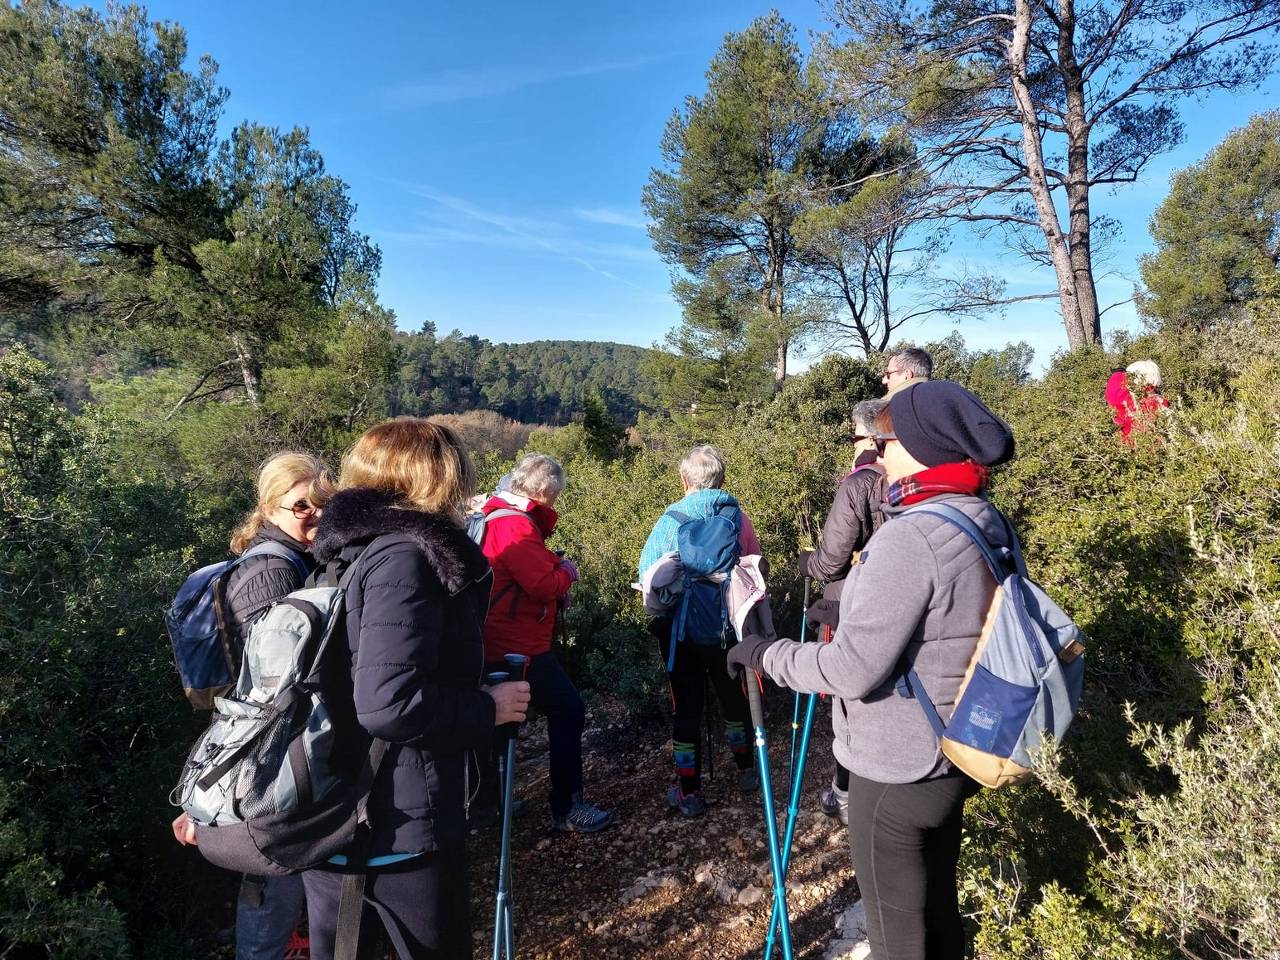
x,y
689,804
835,803
582,818
748,780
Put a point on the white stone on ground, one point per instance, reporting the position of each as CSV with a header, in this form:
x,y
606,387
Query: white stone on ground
x,y
851,943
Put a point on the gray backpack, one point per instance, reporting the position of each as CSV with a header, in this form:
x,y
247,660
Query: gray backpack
x,y
1024,680
267,785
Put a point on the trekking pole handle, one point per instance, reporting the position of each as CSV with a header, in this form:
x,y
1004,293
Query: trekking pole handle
x,y
517,666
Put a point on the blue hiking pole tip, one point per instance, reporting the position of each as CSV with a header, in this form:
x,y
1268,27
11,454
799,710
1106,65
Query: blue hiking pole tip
x,y
517,664
496,677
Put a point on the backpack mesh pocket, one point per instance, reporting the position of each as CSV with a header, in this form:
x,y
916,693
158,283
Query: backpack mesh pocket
x,y
263,768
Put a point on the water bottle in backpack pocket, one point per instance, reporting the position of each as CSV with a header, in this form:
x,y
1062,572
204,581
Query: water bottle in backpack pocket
x,y
1024,679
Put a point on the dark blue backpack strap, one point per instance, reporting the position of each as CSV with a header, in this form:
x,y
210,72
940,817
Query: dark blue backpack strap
x,y
677,516
678,624
910,686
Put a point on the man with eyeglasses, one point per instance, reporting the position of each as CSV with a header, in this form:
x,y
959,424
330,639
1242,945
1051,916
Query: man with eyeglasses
x,y
906,368
855,515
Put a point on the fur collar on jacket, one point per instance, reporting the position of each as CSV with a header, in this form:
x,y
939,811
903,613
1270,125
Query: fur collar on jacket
x,y
359,515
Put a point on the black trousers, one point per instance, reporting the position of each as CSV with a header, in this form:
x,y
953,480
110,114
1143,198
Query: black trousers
x,y
555,695
694,664
905,841
423,904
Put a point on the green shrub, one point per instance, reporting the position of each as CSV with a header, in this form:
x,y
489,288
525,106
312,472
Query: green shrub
x,y
93,717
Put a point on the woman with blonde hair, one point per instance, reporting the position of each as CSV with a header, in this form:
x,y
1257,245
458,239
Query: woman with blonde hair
x,y
277,534
416,604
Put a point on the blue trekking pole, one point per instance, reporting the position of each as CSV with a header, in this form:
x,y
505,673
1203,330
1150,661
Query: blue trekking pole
x,y
793,813
795,710
503,931
770,821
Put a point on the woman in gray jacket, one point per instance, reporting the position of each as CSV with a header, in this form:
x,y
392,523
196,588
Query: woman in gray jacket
x,y
918,598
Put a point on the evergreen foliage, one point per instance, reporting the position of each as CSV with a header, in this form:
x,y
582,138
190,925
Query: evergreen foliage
x,y
1217,234
544,381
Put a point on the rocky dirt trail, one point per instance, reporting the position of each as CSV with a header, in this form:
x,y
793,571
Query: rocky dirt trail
x,y
660,886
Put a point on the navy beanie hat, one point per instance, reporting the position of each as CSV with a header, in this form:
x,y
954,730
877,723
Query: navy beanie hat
x,y
939,421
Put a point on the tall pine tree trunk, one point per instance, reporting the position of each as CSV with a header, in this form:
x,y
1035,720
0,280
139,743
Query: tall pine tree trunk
x,y
248,368
1037,179
1079,238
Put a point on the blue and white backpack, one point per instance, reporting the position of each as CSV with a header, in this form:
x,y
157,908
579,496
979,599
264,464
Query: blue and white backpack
x,y
204,649
709,550
1023,683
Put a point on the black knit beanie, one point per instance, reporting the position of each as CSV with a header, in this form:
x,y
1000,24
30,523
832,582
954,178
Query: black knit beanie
x,y
941,422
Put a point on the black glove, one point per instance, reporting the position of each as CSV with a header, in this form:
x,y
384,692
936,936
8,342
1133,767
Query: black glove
x,y
825,612
747,654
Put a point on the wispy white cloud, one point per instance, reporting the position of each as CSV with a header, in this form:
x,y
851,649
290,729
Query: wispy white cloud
x,y
610,217
452,86
454,220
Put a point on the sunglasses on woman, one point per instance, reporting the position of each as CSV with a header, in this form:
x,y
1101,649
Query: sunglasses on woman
x,y
301,509
879,439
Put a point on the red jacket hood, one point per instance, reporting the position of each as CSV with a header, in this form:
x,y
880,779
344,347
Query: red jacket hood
x,y
542,515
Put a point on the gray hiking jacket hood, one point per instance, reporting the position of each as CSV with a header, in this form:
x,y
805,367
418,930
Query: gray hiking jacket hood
x,y
919,596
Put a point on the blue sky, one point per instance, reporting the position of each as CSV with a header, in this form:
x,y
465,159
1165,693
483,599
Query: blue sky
x,y
497,152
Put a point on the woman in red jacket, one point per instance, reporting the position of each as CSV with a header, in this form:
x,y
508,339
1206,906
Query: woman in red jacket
x,y
530,587
1135,412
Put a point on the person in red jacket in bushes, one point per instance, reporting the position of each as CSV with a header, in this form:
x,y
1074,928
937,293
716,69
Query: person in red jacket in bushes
x,y
530,587
1134,395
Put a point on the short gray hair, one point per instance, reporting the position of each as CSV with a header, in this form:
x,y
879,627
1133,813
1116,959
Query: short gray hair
x,y
703,468
537,475
1147,371
914,361
864,415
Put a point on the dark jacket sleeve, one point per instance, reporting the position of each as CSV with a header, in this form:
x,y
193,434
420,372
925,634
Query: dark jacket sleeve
x,y
256,584
398,693
848,527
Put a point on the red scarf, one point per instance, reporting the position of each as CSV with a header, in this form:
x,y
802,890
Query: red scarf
x,y
961,477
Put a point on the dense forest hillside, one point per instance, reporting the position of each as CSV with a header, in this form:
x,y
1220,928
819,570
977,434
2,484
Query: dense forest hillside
x,y
546,381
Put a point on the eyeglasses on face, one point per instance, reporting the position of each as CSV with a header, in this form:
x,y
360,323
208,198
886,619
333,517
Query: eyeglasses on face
x,y
891,373
300,509
880,439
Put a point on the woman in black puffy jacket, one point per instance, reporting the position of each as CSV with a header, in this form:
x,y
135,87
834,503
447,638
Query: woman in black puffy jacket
x,y
415,611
